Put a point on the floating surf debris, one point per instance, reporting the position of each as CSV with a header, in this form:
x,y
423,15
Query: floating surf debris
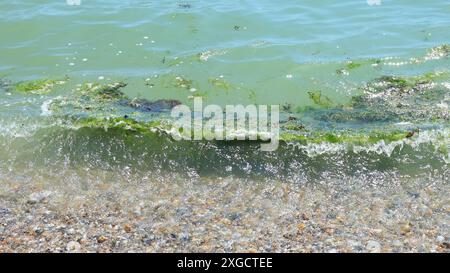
x,y
182,82
388,99
185,5
438,52
204,56
410,99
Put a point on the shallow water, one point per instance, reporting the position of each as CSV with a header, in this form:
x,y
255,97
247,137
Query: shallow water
x,y
364,93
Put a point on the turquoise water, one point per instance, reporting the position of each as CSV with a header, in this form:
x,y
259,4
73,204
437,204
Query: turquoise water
x,y
253,44
341,70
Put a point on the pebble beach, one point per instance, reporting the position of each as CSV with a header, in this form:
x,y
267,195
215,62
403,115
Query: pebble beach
x,y
222,216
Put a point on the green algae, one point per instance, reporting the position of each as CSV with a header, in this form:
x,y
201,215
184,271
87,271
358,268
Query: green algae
x,y
104,92
90,97
171,81
363,138
353,65
287,107
398,104
293,126
287,135
124,123
357,116
404,84
409,99
181,82
444,150
38,87
396,83
319,99
375,62
111,91
220,82
97,99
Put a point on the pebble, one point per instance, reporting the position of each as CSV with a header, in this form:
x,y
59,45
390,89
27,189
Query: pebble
x,y
301,227
101,239
405,229
70,231
38,231
373,247
357,246
127,228
4,211
73,247
397,243
440,239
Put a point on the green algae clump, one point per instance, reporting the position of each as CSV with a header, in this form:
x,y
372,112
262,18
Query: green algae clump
x,y
353,65
110,91
358,116
398,84
38,87
362,138
320,100
118,123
